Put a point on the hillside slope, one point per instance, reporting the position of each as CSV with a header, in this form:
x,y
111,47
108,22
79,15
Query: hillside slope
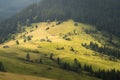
x,y
104,14
10,76
65,41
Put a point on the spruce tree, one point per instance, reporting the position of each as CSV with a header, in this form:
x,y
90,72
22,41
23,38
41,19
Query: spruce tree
x,y
51,56
28,57
58,60
2,69
40,61
76,66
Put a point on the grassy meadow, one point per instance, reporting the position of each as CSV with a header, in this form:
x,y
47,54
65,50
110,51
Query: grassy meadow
x,y
13,57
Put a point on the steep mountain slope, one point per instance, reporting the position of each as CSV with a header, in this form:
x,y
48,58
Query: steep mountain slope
x,y
104,14
10,7
65,41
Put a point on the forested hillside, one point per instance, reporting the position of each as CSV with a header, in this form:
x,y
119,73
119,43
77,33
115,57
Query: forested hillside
x,y
104,14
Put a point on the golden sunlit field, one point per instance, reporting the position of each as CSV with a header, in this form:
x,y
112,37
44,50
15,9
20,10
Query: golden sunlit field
x,y
39,48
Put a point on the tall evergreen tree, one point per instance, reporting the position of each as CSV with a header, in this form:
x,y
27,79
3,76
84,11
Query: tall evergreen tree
x,y
51,56
28,57
2,69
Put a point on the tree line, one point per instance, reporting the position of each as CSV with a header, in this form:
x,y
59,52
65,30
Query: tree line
x,y
77,67
103,49
102,74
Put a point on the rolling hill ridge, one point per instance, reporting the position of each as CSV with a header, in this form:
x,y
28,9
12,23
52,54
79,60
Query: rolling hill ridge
x,y
62,40
38,49
104,14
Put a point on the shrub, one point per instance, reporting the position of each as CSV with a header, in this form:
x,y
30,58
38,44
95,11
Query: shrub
x,y
61,48
17,42
48,40
66,37
47,28
76,24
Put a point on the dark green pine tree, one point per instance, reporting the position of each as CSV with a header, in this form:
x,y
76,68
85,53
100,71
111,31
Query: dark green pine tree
x,y
51,56
28,57
58,60
91,70
76,66
40,61
65,66
2,69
